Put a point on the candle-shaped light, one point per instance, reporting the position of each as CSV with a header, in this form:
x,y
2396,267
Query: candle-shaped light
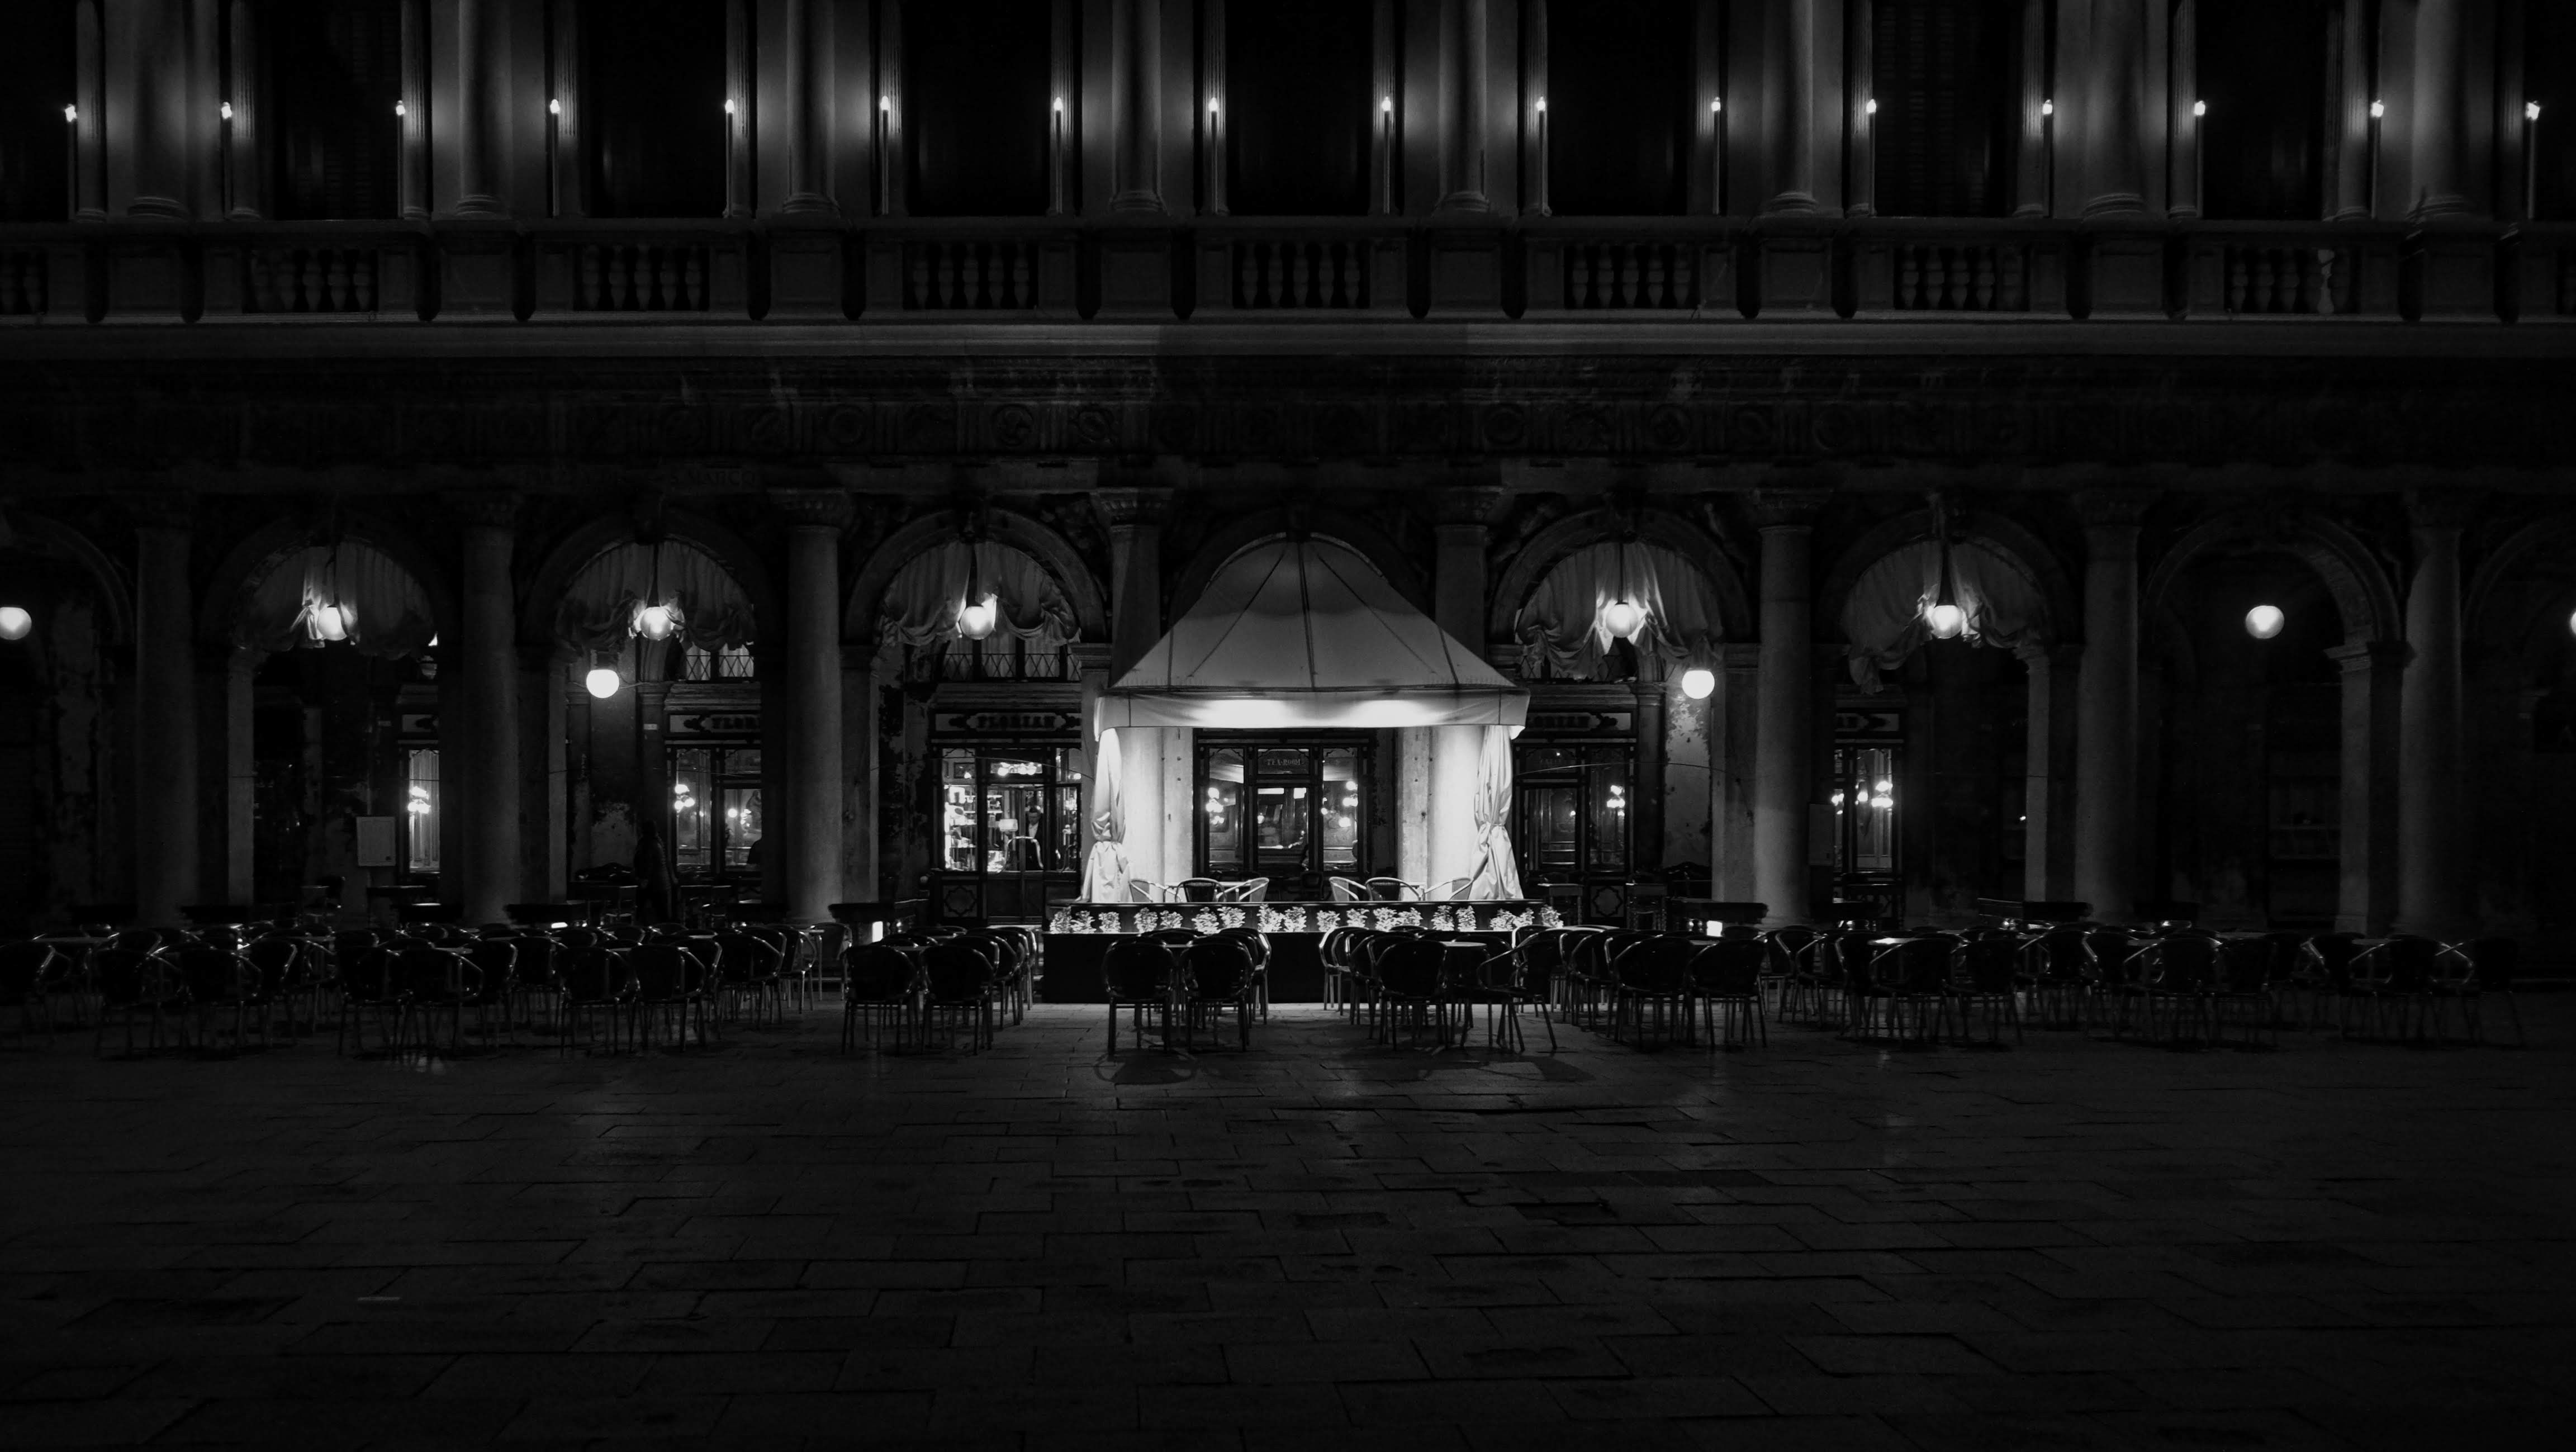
x,y
2378,113
2199,170
885,171
2530,161
1717,156
1386,155
1538,187
1055,159
2048,155
1215,191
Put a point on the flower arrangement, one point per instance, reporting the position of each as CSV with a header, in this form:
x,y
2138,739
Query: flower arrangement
x,y
1204,920
1549,918
1232,917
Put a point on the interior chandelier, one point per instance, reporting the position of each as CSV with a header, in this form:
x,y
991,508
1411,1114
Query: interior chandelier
x,y
655,618
330,618
1623,617
981,611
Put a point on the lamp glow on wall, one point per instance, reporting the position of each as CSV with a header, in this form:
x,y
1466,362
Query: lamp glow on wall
x,y
2264,621
15,622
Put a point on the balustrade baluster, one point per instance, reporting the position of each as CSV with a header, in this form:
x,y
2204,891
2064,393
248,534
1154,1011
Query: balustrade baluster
x,y
1024,277
365,277
2014,288
2234,261
1909,277
1982,280
343,296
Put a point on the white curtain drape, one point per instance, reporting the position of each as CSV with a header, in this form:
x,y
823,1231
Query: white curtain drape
x,y
599,606
383,610
1497,874
1560,627
1104,868
1883,618
924,597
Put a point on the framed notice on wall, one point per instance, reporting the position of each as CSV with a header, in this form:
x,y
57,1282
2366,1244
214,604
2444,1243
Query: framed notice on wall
x,y
375,841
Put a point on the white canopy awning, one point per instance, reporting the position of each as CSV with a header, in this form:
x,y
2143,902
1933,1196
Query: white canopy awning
x,y
1306,633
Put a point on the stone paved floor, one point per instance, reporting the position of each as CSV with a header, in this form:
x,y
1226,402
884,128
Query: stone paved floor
x,y
2074,1243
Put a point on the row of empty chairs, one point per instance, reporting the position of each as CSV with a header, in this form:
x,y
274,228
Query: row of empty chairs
x,y
905,986
1185,981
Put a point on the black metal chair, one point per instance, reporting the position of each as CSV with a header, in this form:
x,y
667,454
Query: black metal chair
x,y
219,980
880,985
670,981
2394,978
2175,978
28,973
1410,987
2059,970
595,984
959,983
1259,948
1505,983
1900,989
1138,974
1220,976
2494,963
1985,972
1650,975
432,980
1726,989
133,983
2248,969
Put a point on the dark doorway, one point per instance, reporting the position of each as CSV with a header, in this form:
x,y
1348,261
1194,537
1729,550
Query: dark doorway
x,y
1297,76
333,73
976,104
2263,76
1295,811
36,83
1943,77
1618,107
653,107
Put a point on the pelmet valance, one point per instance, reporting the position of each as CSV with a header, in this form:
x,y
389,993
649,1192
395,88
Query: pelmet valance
x,y
1883,618
599,606
323,593
923,599
1560,628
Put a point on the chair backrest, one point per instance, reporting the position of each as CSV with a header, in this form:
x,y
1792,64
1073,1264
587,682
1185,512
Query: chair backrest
x,y
1136,969
1254,945
1173,937
2248,965
1220,968
1654,962
1139,890
1346,890
1730,967
2059,956
278,961
125,975
426,971
662,971
497,960
876,973
537,956
1453,890
959,970
23,967
2184,962
2111,949
1199,889
1788,947
214,975
1393,889
1252,889
1409,967
1988,964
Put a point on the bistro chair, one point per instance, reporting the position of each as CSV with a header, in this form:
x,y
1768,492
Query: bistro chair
x,y
1347,890
287,972
879,991
595,984
1258,948
1506,983
219,980
1137,974
1345,970
959,983
1393,889
2059,968
669,979
1251,889
1221,975
2247,970
2494,964
1727,975
134,984
1651,975
2393,978
430,979
1139,890
1453,890
369,985
1899,985
1409,987
747,972
1200,889
1985,973
28,972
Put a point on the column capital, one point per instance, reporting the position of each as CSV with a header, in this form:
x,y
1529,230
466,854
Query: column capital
x,y
1129,508
2446,510
812,508
1786,508
2113,508
1467,505
483,508
2371,655
162,509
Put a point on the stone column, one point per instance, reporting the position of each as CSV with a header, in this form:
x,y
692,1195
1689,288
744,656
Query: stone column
x,y
1135,520
482,754
2431,786
1458,569
2366,885
544,671
478,169
2032,191
1784,726
1790,69
2348,144
2182,126
413,160
2443,155
1462,106
2112,51
1733,727
812,800
1136,105
1646,797
241,772
147,125
243,154
808,95
165,716
2106,746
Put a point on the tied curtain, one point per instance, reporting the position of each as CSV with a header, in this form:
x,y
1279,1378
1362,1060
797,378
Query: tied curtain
x,y
1883,618
923,599
1104,868
1560,629
1497,875
383,610
600,605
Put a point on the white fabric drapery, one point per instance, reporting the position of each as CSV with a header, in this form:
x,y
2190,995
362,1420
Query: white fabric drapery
x,y
1883,617
383,610
1105,871
600,604
923,599
1497,874
1308,633
1560,629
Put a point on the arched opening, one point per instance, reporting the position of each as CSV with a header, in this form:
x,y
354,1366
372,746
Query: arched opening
x,y
2245,737
59,737
1612,779
974,643
332,774
1941,755
667,782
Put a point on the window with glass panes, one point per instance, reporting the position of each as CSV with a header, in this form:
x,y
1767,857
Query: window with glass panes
x,y
1295,812
420,810
1574,809
1006,809
1864,802
716,817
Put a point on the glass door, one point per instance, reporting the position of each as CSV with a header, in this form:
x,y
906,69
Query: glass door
x,y
1573,821
1864,802
1293,812
716,814
1010,821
